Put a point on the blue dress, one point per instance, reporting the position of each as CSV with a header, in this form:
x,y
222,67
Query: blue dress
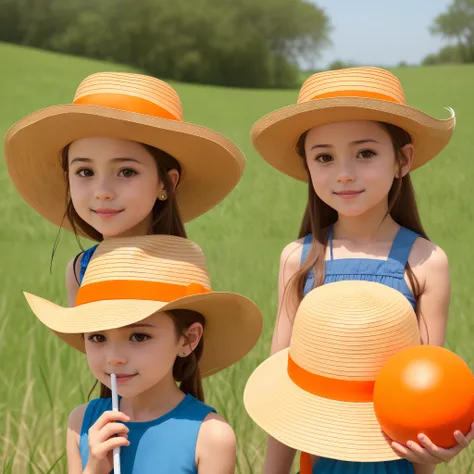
x,y
391,273
161,446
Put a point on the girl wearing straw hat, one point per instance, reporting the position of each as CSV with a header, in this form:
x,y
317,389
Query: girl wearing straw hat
x,y
146,313
119,161
353,139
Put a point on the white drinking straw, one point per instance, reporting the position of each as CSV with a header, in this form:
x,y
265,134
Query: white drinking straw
x,y
113,379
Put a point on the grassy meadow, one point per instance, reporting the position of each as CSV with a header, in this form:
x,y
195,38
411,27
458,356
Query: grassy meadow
x,y
41,379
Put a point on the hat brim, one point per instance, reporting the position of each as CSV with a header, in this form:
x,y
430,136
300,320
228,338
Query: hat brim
x,y
275,136
233,322
211,164
309,423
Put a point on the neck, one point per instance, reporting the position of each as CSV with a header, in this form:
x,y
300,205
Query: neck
x,y
374,224
154,402
142,228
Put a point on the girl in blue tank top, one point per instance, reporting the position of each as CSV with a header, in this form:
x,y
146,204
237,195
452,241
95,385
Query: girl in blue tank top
x,y
354,140
146,313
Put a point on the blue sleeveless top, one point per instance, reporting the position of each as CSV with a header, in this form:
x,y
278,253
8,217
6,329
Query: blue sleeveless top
x,y
390,272
161,446
86,257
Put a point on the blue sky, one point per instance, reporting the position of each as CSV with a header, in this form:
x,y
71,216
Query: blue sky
x,y
381,32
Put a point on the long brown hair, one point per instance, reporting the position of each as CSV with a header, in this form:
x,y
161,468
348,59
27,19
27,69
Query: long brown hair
x,y
318,217
166,217
185,369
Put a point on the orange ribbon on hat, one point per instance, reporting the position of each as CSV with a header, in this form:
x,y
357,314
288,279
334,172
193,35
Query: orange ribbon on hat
x,y
137,290
351,391
125,102
327,387
355,93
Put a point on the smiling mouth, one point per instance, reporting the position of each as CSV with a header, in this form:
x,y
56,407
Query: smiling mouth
x,y
107,212
348,193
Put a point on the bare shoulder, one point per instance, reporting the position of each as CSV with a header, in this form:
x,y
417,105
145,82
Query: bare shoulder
x,y
74,422
290,257
215,433
428,256
73,268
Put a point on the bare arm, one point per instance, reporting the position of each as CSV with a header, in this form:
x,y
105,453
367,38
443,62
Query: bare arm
x,y
435,296
74,462
279,458
216,450
433,304
72,286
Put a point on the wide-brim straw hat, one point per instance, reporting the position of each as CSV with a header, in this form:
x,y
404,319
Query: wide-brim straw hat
x,y
317,396
361,93
128,106
129,279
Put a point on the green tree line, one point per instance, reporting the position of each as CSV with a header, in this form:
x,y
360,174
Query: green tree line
x,y
246,43
456,25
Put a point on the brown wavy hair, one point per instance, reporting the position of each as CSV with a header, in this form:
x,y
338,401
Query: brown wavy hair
x,y
185,369
318,218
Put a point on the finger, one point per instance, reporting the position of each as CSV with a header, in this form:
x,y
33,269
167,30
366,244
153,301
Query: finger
x,y
402,451
437,453
109,416
111,429
99,451
462,440
414,453
424,455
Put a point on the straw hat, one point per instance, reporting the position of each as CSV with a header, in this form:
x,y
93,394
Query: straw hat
x,y
362,93
316,396
120,105
129,279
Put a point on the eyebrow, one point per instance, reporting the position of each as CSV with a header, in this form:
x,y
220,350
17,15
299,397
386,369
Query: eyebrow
x,y
115,160
356,142
140,325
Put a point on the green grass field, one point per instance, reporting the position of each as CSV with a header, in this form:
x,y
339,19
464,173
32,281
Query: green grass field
x,y
41,380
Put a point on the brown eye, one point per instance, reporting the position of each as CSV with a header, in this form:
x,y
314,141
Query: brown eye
x,y
366,154
324,158
85,173
139,337
128,173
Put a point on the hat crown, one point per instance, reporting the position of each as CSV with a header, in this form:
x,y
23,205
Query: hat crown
x,y
349,329
133,92
151,258
369,82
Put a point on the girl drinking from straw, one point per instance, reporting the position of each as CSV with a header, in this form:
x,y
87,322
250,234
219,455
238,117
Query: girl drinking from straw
x,y
145,312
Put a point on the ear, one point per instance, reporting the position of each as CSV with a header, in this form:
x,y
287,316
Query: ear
x,y
193,335
408,152
174,177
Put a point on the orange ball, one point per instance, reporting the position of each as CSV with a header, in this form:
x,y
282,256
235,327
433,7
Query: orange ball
x,y
425,389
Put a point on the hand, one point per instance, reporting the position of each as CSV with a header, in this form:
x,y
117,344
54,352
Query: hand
x,y
428,452
103,437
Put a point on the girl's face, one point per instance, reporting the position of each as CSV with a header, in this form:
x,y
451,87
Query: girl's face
x,y
353,165
141,355
114,185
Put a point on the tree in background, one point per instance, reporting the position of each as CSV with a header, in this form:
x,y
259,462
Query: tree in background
x,y
457,24
246,43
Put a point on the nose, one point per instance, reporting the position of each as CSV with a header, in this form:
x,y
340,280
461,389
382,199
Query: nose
x,y
104,190
346,172
116,357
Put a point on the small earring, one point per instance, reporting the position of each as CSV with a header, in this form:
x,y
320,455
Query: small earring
x,y
183,353
163,196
